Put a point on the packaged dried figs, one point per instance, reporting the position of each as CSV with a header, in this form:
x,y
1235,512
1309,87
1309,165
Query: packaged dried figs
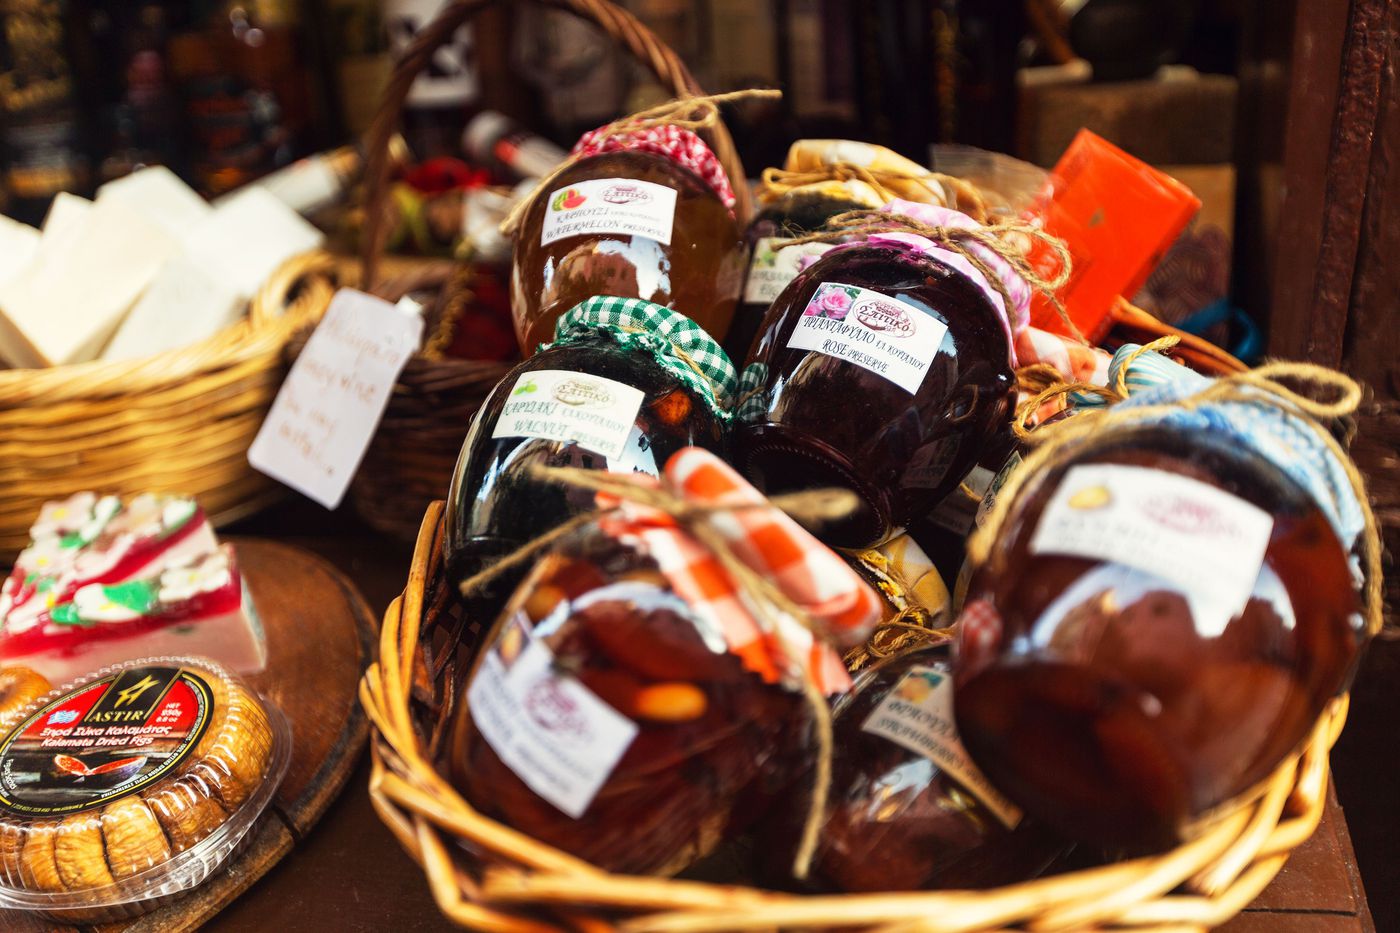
x,y
132,785
629,701
625,385
1161,608
639,212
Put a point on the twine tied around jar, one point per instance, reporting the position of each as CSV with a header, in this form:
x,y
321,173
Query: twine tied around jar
x,y
1321,394
776,182
992,237
688,113
1048,385
767,601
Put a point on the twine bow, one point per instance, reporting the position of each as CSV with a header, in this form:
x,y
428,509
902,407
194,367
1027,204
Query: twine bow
x,y
1321,394
993,238
767,601
777,182
688,113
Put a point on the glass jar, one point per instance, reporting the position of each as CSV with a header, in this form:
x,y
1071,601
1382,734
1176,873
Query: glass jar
x,y
883,368
618,390
788,217
631,223
909,810
1162,618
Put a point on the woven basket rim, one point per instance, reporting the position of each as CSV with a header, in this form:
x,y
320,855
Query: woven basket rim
x,y
1222,871
262,330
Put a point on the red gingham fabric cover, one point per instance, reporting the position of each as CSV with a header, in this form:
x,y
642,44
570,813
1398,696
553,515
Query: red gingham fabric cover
x,y
675,143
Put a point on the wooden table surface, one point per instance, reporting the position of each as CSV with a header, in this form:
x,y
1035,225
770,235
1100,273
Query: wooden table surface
x,y
349,875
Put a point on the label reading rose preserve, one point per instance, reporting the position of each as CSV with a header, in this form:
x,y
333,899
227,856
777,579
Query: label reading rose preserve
x,y
623,206
918,715
773,268
558,405
888,337
1206,542
547,727
103,740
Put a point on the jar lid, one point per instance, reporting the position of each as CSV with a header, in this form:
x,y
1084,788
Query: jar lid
x,y
674,340
133,784
676,143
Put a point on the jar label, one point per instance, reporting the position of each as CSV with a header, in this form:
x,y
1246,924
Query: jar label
x,y
559,405
918,715
104,740
623,206
891,338
554,733
772,268
1205,541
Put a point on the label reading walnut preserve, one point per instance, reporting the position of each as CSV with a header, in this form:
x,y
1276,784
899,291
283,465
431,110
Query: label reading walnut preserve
x,y
623,206
554,733
890,338
558,405
103,740
918,715
1207,542
772,268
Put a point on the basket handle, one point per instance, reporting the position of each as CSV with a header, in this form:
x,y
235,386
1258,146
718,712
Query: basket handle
x,y
612,19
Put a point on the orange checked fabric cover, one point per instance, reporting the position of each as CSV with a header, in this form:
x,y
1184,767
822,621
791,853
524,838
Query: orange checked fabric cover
x,y
842,607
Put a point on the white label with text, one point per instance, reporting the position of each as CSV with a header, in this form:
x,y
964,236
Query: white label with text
x,y
554,733
324,415
773,267
889,337
918,715
558,405
610,205
1207,542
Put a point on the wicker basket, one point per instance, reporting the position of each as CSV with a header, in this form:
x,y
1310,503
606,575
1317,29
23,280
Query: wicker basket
x,y
410,461
487,876
179,421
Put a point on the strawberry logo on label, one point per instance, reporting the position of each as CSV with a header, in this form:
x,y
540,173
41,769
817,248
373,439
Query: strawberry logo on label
x,y
567,200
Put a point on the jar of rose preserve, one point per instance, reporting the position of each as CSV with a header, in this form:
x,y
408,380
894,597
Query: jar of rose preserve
x,y
908,809
1159,616
884,368
625,384
627,703
640,213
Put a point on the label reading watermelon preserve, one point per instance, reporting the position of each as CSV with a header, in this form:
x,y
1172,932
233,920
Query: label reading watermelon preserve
x,y
886,336
104,740
1206,542
623,206
558,405
547,727
918,715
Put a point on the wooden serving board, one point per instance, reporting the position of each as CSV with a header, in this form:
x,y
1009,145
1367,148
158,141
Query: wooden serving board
x,y
320,636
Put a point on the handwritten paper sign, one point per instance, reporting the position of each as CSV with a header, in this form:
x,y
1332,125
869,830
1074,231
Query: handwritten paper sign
x,y
325,414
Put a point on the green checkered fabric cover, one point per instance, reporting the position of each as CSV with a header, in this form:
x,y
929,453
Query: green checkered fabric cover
x,y
670,337
752,402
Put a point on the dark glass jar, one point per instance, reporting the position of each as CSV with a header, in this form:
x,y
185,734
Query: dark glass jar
x,y
908,809
1161,620
608,718
613,393
790,216
880,369
687,251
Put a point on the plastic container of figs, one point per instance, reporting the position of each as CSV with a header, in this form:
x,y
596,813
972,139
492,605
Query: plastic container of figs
x,y
126,788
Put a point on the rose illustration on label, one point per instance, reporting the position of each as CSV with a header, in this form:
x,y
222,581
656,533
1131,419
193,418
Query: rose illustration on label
x,y
831,301
567,200
887,317
625,194
578,393
555,711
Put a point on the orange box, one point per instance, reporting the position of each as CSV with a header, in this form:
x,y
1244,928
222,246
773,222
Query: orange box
x,y
1118,216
